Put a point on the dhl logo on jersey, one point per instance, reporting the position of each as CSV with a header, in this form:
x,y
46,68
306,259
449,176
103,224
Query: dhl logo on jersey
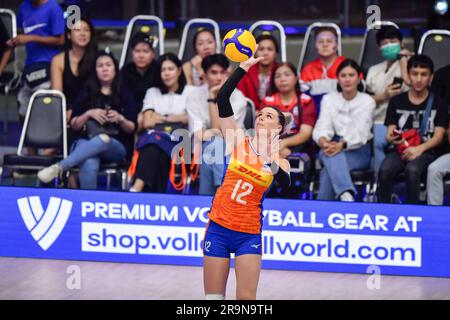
x,y
253,174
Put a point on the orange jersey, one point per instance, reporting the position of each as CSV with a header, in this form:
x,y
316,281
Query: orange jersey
x,y
237,204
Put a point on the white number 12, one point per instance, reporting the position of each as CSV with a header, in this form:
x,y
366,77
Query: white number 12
x,y
246,188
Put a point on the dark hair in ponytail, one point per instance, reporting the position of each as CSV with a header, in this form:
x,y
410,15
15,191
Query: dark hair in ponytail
x,y
281,118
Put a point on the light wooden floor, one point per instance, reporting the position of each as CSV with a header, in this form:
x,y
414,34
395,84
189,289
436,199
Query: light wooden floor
x,y
46,279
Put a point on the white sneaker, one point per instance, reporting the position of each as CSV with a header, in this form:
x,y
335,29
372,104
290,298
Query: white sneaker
x,y
347,197
133,190
48,174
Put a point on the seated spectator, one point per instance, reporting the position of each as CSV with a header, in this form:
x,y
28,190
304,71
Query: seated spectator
x,y
138,75
343,132
255,84
381,86
320,75
164,110
70,69
287,97
441,83
205,45
204,119
426,113
105,117
436,173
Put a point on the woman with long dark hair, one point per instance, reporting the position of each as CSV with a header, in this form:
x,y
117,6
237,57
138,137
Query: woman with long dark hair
x,y
71,68
164,110
104,116
343,132
287,97
205,45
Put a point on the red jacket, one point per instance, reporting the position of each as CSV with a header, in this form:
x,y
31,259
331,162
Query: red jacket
x,y
250,82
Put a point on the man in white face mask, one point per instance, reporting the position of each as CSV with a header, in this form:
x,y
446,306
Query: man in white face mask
x,y
386,80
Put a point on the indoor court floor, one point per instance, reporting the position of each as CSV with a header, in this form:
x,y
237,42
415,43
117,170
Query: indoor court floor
x,y
47,279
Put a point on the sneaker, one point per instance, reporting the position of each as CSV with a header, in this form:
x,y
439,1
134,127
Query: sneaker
x,y
347,197
48,174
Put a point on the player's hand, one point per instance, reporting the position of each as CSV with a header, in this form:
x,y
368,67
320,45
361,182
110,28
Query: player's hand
x,y
247,64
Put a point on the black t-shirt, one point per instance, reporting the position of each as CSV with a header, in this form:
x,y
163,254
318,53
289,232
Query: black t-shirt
x,y
4,37
126,107
406,115
137,83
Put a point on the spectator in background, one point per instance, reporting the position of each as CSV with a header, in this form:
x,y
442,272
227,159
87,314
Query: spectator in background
x,y
71,69
164,110
204,119
287,97
343,132
5,51
441,167
138,75
381,86
436,173
405,112
441,83
320,75
255,84
205,45
104,115
42,23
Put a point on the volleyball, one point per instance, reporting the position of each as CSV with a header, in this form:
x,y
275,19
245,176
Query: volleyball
x,y
239,45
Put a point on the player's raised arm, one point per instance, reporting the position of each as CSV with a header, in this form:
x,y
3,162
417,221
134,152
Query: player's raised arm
x,y
226,115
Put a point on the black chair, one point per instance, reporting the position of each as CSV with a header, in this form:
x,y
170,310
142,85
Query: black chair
x,y
10,81
110,170
187,49
275,29
370,54
150,25
447,184
436,44
364,182
302,175
250,115
44,127
309,52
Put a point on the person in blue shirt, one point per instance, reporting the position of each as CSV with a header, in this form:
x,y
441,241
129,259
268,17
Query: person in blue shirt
x,y
41,26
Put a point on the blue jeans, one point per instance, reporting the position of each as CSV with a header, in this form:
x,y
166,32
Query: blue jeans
x,y
88,153
335,176
212,167
380,131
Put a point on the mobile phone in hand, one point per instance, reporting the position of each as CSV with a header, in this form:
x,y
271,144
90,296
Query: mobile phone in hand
x,y
397,134
397,80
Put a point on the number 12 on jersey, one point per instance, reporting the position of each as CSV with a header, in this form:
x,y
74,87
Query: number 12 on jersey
x,y
240,191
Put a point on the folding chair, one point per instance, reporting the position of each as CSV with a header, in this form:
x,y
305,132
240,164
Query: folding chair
x,y
370,54
275,29
187,49
309,52
10,81
436,44
364,182
150,25
44,127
